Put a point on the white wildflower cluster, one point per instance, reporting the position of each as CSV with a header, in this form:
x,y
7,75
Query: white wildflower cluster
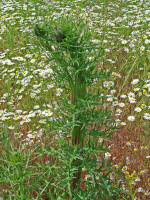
x,y
28,81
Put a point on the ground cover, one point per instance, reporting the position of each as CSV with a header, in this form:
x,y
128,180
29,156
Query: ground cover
x,y
27,84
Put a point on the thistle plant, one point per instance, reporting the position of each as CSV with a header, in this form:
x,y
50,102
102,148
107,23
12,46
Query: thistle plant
x,y
85,163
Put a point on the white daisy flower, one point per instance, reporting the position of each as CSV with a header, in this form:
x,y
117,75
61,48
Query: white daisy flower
x,y
135,81
138,109
131,118
146,116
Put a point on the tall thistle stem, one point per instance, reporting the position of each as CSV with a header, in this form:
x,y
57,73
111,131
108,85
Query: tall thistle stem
x,y
77,137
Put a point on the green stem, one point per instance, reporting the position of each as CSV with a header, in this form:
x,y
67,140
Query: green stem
x,y
77,136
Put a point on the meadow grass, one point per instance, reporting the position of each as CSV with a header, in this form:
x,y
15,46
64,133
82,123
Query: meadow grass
x,y
27,88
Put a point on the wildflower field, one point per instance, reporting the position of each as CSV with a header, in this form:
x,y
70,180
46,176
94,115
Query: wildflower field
x,y
28,86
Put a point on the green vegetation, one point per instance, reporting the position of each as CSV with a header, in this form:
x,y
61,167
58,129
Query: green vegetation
x,y
74,104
